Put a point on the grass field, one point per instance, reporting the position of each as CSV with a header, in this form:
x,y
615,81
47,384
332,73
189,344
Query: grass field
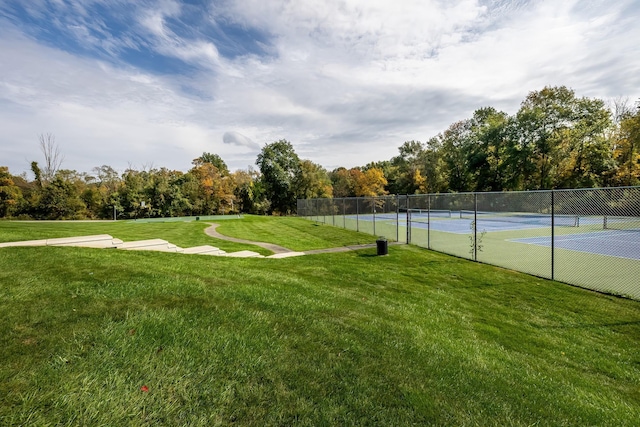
x,y
107,337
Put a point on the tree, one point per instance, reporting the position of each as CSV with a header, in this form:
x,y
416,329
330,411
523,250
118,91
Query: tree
x,y
627,149
250,192
585,146
312,181
60,200
131,194
10,194
215,192
343,182
456,143
487,152
279,166
213,159
409,179
433,166
370,183
52,157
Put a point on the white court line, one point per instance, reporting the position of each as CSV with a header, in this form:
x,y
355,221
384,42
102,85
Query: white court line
x,y
571,249
570,239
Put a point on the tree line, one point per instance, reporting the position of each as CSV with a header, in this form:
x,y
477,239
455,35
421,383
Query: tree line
x,y
555,140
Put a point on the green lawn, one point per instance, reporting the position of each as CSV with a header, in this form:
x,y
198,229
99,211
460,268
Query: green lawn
x,y
415,337
294,233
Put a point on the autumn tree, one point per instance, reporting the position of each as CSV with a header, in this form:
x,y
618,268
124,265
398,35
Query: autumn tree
x,y
213,159
370,183
10,194
215,190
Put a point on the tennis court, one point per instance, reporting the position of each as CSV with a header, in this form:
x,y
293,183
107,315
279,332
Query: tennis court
x,y
621,244
596,232
461,222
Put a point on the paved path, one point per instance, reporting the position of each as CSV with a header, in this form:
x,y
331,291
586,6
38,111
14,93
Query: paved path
x,y
211,231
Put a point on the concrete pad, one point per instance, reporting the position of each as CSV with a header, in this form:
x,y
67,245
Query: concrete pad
x,y
244,254
98,244
79,239
286,255
102,241
156,248
214,253
174,248
201,249
151,244
24,243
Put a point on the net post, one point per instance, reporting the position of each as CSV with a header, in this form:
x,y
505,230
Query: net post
x,y
357,215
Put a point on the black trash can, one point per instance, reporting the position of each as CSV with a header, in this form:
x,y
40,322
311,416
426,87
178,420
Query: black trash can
x,y
383,246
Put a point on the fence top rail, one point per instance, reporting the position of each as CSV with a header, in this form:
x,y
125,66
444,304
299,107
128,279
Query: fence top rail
x,y
555,190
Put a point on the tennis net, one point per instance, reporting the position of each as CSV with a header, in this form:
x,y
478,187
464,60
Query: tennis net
x,y
523,218
626,223
423,215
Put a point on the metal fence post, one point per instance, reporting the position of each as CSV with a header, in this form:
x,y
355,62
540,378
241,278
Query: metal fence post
x,y
408,227
333,211
344,213
397,218
429,221
553,237
357,215
373,209
475,226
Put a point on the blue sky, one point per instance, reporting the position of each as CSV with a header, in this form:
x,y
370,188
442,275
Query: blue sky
x,y
157,83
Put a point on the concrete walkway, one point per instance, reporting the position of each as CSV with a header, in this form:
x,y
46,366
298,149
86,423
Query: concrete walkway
x,y
211,231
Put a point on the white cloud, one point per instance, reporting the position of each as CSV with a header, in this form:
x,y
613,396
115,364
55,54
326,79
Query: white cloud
x,y
345,81
236,138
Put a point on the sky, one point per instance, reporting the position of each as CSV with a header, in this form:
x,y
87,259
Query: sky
x,y
148,84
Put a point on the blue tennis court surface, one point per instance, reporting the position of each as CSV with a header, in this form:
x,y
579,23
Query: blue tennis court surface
x,y
463,226
622,244
456,226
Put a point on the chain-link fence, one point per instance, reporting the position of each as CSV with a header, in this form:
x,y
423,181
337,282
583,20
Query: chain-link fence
x,y
585,237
